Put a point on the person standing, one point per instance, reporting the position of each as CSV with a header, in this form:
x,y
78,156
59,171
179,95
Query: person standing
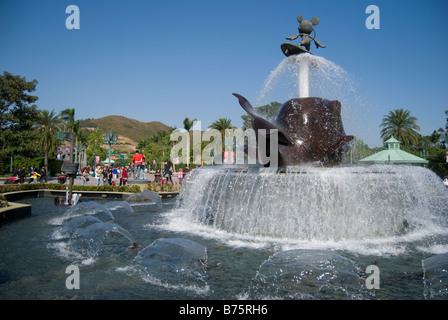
x,y
22,174
98,174
124,176
168,171
104,175
115,173
143,169
85,176
137,160
180,175
43,175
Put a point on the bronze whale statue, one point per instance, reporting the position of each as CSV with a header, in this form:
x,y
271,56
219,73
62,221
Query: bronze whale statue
x,y
310,130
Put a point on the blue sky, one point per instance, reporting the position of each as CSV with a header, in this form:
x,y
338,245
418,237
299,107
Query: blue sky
x,y
167,60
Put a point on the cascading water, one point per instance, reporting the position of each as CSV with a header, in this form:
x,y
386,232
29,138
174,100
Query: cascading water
x,y
306,75
309,203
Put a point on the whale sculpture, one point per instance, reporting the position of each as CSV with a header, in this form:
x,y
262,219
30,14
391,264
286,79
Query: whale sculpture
x,y
309,130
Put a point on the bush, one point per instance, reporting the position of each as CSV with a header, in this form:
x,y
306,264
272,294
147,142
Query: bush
x,y
58,186
163,187
3,201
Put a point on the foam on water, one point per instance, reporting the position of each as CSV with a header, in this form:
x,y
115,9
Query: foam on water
x,y
370,210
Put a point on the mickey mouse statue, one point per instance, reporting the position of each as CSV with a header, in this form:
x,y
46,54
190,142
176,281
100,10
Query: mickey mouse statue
x,y
305,29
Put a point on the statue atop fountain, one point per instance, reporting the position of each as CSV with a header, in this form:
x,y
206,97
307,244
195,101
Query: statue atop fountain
x,y
305,30
309,129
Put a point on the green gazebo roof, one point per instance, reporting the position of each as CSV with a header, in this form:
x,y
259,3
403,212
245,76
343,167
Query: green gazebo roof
x,y
393,154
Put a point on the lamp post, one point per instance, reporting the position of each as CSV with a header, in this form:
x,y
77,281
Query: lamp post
x,y
446,136
110,138
69,167
81,148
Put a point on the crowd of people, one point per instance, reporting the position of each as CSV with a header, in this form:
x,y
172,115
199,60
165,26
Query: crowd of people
x,y
104,174
30,175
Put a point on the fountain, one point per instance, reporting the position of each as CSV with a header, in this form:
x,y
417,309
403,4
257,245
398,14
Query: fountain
x,y
308,229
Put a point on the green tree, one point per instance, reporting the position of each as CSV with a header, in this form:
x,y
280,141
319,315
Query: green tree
x,y
268,111
68,115
400,124
95,142
17,116
48,124
358,150
188,124
156,147
222,124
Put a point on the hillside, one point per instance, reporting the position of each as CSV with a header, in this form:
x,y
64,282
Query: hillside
x,y
130,131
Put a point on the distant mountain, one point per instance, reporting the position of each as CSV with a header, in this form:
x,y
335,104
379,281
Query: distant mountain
x,y
130,131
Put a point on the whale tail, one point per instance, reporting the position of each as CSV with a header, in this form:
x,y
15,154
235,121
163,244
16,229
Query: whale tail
x,y
262,123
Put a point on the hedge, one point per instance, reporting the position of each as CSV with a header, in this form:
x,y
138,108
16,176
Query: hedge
x,y
58,186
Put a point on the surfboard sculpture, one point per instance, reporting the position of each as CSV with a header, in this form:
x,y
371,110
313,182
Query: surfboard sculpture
x,y
309,130
305,30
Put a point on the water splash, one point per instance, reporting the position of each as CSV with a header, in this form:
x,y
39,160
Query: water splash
x,y
119,205
343,207
145,196
85,208
86,232
306,75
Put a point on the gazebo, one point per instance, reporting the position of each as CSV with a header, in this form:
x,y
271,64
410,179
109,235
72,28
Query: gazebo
x,y
393,155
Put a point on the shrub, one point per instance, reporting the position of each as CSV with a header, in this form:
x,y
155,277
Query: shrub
x,y
3,201
58,186
163,187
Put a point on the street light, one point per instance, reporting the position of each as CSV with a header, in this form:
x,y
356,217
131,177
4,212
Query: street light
x,y
110,138
81,148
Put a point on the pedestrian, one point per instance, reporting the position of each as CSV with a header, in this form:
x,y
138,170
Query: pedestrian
x,y
22,174
157,176
115,173
137,160
43,175
104,175
168,171
33,176
180,175
109,176
98,174
85,176
124,176
143,169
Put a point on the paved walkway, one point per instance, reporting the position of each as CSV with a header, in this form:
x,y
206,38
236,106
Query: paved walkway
x,y
92,181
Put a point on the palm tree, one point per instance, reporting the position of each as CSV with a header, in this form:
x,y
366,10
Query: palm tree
x,y
222,124
47,126
188,124
400,124
68,115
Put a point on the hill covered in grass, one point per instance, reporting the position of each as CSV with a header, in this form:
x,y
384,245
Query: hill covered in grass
x,y
130,131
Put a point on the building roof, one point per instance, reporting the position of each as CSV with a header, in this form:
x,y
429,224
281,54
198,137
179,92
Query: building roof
x,y
394,155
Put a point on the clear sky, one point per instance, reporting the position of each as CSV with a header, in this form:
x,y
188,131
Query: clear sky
x,y
166,60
